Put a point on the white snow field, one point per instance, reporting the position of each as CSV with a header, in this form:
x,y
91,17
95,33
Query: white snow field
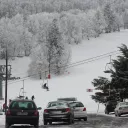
x,y
76,80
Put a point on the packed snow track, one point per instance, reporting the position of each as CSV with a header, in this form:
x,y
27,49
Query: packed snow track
x,y
94,121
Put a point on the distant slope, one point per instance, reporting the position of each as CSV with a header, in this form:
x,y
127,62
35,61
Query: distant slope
x,y
77,79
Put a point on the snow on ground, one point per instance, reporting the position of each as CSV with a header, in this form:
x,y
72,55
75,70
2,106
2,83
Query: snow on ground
x,y
74,83
2,119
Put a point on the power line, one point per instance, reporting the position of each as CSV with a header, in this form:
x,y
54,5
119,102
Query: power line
x,y
68,66
74,64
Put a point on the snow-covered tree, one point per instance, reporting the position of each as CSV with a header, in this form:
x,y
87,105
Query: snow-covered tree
x,y
125,19
53,55
109,18
98,22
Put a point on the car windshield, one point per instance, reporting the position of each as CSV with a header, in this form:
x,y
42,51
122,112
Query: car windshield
x,y
57,104
26,105
123,103
76,104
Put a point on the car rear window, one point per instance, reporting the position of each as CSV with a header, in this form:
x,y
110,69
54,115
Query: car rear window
x,y
124,103
76,104
66,99
26,105
58,104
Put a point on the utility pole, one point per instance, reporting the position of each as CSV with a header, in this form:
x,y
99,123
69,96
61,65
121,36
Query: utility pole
x,y
6,80
106,71
23,88
110,68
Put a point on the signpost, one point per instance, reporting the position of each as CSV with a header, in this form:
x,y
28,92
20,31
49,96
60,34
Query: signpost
x,y
1,87
89,90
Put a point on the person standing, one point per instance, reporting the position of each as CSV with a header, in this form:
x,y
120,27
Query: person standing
x,y
4,107
10,101
33,97
26,98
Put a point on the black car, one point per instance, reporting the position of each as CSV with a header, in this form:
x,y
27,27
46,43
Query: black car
x,y
110,106
58,111
22,111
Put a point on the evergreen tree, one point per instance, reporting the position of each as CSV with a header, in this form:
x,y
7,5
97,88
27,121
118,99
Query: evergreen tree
x,y
102,84
118,84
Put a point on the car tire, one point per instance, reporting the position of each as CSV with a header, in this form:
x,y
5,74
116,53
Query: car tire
x,y
45,122
106,112
118,115
85,119
50,122
73,121
115,113
8,125
36,125
70,120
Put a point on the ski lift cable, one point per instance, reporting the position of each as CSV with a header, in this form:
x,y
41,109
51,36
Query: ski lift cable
x,y
73,64
68,66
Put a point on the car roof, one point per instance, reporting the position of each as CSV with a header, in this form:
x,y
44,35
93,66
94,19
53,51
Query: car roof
x,y
75,102
67,99
22,100
58,101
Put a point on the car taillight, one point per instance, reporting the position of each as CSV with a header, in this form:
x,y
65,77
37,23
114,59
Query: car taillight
x,y
45,111
8,113
84,109
36,113
68,110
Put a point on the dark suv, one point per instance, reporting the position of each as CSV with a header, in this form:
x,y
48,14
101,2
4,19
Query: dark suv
x,y
110,106
22,111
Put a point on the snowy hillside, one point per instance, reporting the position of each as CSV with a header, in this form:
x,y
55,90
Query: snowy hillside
x,y
77,79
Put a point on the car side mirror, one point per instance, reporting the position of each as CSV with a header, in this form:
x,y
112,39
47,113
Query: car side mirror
x,y
39,108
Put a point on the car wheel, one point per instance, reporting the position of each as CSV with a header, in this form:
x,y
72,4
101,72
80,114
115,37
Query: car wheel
x,y
70,120
50,122
106,112
85,119
8,125
73,121
45,122
36,125
118,115
115,113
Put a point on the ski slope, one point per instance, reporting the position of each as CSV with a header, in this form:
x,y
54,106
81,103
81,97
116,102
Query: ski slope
x,y
75,81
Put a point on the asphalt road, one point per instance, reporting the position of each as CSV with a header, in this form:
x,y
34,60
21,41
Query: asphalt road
x,y
99,121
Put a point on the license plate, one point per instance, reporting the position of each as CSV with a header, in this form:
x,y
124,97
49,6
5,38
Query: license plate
x,y
22,113
56,112
76,110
